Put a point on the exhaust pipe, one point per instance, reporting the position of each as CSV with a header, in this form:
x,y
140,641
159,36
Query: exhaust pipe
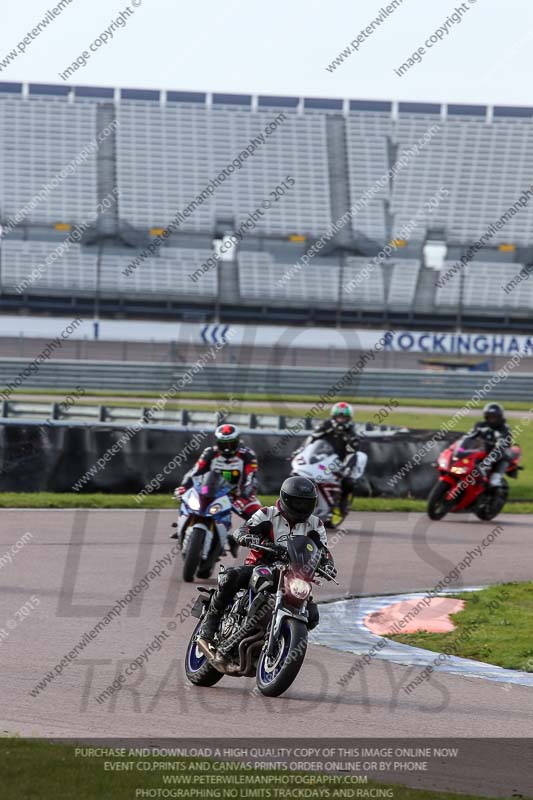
x,y
217,659
246,651
254,648
214,658
244,660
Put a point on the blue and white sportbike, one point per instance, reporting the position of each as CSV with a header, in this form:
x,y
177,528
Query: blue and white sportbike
x,y
203,524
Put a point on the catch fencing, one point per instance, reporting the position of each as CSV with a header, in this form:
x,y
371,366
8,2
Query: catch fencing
x,y
118,376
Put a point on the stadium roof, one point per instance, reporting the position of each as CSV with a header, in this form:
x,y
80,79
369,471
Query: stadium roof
x,y
247,101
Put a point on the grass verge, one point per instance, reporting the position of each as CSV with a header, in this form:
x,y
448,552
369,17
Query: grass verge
x,y
75,500
37,770
494,627
181,398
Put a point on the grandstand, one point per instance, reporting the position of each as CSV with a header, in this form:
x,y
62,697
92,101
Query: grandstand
x,y
373,164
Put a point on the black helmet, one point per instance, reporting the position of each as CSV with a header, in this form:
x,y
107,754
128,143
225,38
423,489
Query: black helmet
x,y
493,414
297,499
227,437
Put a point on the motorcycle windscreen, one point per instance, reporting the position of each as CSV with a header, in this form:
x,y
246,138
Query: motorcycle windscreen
x,y
470,444
317,451
209,486
303,554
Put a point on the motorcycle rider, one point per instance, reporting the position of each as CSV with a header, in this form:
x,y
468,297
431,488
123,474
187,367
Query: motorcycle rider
x,y
293,515
339,432
236,463
498,440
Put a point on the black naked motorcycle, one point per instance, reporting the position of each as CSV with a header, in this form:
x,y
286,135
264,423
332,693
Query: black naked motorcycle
x,y
264,632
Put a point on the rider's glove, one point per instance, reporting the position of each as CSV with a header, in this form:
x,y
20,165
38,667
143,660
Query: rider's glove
x,y
249,540
328,566
330,569
179,491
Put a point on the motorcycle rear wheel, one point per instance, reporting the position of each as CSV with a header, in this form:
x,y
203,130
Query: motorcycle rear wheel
x,y
275,675
486,511
197,667
438,506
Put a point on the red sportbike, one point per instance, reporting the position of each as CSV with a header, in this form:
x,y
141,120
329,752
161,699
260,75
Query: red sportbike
x,y
462,486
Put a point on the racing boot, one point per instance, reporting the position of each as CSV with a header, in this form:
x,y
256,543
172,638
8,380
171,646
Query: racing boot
x,y
496,490
344,503
347,488
211,622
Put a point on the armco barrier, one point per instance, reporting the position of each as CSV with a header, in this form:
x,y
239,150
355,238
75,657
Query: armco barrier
x,y
54,457
234,378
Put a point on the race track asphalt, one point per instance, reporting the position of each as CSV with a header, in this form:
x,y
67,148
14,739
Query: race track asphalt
x,y
78,563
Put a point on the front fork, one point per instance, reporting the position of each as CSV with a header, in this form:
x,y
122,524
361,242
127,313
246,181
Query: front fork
x,y
453,486
279,613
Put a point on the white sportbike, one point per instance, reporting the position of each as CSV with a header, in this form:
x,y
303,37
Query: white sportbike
x,y
318,461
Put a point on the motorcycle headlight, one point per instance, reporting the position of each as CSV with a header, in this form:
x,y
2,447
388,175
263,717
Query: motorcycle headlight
x,y
299,588
459,470
215,508
193,502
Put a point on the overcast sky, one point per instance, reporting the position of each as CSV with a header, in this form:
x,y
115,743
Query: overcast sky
x,y
282,47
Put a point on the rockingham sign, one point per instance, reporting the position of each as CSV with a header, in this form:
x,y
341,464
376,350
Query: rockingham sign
x,y
459,343
284,337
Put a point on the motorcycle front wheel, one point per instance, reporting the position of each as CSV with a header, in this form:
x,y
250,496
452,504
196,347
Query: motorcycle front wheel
x,y
276,673
193,555
205,568
438,506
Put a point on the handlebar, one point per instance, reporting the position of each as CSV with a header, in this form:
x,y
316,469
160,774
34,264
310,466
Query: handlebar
x,y
327,576
279,551
276,551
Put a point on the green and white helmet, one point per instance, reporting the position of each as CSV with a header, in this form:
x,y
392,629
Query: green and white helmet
x,y
341,414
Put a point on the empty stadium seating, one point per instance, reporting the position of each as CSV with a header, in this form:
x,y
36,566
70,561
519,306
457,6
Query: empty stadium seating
x,y
170,146
402,288
483,287
368,283
38,139
24,266
167,275
24,269
484,166
261,278
167,156
367,136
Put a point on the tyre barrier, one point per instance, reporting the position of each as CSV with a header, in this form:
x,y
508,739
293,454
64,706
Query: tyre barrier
x,y
66,457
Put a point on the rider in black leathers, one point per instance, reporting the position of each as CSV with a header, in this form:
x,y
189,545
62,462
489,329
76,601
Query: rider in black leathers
x,y
498,439
292,515
339,432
